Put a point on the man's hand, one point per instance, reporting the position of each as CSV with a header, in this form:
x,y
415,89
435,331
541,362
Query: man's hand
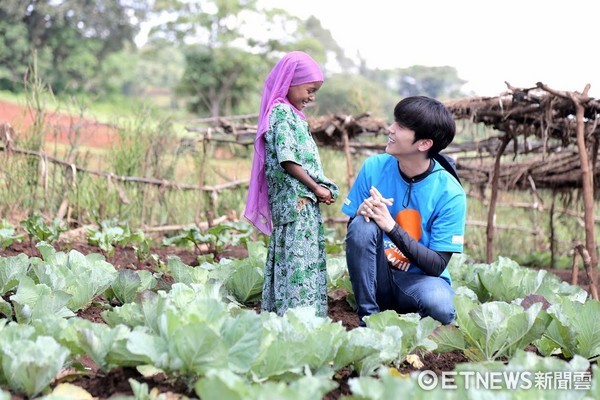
x,y
376,208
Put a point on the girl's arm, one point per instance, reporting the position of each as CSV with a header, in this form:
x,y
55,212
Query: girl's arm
x,y
323,194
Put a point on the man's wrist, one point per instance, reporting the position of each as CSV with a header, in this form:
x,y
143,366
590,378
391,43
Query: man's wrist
x,y
391,227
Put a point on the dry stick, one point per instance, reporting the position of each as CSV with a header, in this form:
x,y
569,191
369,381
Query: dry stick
x,y
586,176
167,228
489,252
585,256
552,232
574,269
149,181
349,170
537,198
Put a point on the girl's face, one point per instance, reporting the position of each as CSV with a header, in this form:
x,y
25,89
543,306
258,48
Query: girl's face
x,y
301,95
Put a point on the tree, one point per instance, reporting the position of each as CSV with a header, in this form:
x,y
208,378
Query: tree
x,y
72,37
230,47
14,53
355,94
219,80
438,82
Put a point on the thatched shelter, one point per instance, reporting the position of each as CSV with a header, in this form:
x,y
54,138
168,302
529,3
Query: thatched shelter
x,y
565,123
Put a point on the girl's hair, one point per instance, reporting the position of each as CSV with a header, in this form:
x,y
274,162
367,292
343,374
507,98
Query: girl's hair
x,y
429,118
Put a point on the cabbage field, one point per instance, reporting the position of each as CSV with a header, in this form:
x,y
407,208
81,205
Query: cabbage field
x,y
111,313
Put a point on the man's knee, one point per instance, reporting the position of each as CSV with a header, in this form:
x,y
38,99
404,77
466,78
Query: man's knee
x,y
439,305
361,232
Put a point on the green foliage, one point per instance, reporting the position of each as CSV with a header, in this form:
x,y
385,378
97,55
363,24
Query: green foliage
x,y
72,38
220,80
437,82
574,329
231,233
40,231
145,147
493,329
8,235
191,236
31,365
14,52
108,235
352,94
81,277
128,284
35,300
141,245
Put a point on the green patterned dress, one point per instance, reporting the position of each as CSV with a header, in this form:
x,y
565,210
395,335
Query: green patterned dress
x,y
295,271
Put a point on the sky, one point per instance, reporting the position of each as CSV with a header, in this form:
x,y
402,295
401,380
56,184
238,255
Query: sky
x,y
487,42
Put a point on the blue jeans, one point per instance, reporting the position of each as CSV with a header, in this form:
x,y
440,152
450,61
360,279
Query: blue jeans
x,y
378,287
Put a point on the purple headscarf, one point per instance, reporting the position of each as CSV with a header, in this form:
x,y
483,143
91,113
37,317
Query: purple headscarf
x,y
295,68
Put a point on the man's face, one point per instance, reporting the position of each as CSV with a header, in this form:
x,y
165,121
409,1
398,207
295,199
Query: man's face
x,y
401,140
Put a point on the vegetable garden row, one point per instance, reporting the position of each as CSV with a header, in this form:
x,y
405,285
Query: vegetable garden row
x,y
197,327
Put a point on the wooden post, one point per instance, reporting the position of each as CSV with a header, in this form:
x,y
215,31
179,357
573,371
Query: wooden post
x,y
202,174
587,181
489,252
552,233
585,256
586,177
574,269
349,169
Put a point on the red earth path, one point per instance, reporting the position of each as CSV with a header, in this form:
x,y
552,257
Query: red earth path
x,y
60,127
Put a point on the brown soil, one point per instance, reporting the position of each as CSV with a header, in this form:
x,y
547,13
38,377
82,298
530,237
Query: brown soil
x,y
103,386
61,127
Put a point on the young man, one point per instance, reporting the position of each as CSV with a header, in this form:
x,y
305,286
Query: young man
x,y
407,216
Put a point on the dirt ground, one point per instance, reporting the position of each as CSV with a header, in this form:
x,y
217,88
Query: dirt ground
x,y
61,127
103,386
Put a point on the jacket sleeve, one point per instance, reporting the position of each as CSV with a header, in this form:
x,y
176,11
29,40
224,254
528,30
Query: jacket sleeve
x,y
431,262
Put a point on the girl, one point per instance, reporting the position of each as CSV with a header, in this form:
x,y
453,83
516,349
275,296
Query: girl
x,y
286,186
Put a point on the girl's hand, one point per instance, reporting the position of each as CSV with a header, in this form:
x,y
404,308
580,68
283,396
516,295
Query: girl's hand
x,y
324,195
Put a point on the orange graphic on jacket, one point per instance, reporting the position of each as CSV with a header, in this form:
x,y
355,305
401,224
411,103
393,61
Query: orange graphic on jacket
x,y
410,221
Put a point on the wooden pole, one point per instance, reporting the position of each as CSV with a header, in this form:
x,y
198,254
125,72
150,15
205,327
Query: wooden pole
x,y
349,169
586,177
552,232
589,271
489,251
587,181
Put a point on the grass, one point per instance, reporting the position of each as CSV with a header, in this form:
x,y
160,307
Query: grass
x,y
151,151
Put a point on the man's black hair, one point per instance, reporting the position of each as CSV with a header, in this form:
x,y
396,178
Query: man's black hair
x,y
429,118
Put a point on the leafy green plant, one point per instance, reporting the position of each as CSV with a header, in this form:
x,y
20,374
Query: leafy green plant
x,y
191,236
128,284
142,392
30,365
108,235
8,235
37,228
81,277
141,245
332,244
230,233
574,330
11,271
491,330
